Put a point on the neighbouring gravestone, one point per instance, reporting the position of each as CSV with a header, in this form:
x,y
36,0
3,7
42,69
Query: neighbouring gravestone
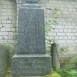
x,y
55,56
30,59
3,60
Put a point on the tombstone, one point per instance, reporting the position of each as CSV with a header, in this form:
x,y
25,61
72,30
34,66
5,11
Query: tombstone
x,y
55,56
3,60
30,58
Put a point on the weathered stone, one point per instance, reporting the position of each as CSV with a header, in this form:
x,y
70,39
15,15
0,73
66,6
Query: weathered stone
x,y
31,59
31,1
27,1
31,35
31,65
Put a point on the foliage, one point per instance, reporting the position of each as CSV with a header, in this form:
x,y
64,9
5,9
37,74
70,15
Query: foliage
x,y
52,22
10,48
69,69
68,72
57,13
48,29
63,73
53,74
63,49
72,62
48,50
49,23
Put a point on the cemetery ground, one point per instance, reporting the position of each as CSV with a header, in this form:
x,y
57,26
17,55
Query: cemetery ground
x,y
68,66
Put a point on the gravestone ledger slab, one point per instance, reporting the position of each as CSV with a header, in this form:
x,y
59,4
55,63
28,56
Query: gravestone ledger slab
x,y
30,58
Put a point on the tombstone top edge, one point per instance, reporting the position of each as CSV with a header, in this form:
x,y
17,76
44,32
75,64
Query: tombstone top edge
x,y
30,6
31,1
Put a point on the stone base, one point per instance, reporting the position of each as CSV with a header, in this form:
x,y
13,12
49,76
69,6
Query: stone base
x,y
31,65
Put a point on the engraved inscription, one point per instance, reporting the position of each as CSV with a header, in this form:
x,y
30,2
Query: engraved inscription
x,y
31,28
31,65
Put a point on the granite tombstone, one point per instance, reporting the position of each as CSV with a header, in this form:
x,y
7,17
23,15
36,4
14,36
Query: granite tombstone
x,y
31,1
30,59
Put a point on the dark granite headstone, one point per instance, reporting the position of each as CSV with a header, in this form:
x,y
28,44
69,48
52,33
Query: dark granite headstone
x,y
30,59
31,1
31,35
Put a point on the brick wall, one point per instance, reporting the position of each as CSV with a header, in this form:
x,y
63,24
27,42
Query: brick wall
x,y
62,14
7,21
